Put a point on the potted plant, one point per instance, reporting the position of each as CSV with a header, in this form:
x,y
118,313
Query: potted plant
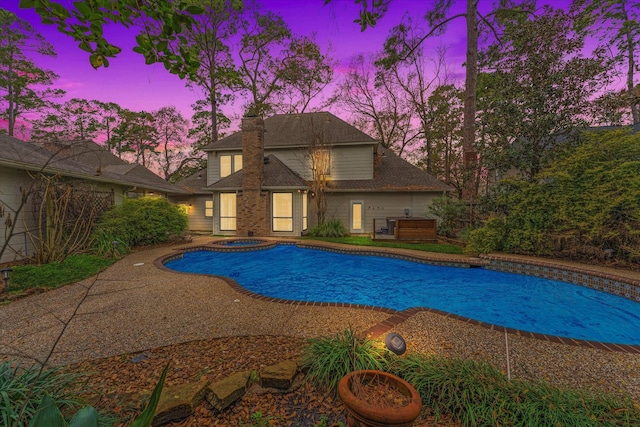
x,y
376,398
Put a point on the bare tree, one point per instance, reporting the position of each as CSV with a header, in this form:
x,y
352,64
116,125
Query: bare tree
x,y
317,153
377,105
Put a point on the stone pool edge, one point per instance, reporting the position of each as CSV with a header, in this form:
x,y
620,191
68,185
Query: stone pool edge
x,y
582,275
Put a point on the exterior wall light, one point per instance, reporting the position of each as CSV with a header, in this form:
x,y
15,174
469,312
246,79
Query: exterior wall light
x,y
395,343
5,277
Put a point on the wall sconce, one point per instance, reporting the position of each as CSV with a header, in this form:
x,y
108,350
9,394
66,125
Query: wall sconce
x,y
395,343
5,272
199,176
312,194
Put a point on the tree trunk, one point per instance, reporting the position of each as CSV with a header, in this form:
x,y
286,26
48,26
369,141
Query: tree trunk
x,y
470,156
11,110
635,114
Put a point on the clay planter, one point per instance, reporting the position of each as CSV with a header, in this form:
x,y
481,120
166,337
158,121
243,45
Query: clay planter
x,y
364,414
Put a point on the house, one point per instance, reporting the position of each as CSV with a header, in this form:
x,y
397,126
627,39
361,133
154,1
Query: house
x,y
83,164
282,175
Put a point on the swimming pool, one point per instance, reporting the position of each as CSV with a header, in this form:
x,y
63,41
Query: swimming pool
x,y
511,300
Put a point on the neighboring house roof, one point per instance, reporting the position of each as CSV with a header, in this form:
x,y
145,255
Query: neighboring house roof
x,y
108,165
276,176
19,154
392,173
85,160
293,130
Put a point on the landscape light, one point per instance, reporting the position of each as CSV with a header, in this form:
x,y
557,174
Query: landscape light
x,y
5,276
395,343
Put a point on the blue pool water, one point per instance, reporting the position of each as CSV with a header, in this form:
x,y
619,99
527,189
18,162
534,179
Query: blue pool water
x,y
511,300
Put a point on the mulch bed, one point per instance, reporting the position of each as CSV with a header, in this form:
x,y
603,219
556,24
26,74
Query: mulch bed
x,y
117,384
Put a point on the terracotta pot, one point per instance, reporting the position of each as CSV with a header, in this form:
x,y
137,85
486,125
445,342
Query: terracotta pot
x,y
363,414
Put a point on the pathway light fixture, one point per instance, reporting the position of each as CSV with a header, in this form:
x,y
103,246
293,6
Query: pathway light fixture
x,y
395,343
5,272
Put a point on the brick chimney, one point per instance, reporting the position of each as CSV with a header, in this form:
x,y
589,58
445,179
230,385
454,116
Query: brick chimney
x,y
252,205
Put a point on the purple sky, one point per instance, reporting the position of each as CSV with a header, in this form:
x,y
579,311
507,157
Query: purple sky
x,y
134,85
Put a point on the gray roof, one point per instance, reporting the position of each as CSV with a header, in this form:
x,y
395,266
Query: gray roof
x,y
276,176
195,183
293,130
80,159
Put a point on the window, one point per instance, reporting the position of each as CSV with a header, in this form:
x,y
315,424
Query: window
x,y
230,164
208,208
357,216
282,212
227,211
305,206
237,162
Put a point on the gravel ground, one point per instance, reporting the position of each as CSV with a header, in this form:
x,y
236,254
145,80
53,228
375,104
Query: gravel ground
x,y
134,306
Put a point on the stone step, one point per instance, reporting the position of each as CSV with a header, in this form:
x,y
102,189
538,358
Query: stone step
x,y
179,402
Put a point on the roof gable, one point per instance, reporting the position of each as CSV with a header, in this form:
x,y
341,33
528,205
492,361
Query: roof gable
x,y
276,175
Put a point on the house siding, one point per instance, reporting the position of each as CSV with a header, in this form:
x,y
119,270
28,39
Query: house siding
x,y
347,162
11,182
196,212
213,167
377,206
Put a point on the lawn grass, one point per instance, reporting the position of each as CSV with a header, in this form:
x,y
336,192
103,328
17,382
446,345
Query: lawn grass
x,y
56,274
367,241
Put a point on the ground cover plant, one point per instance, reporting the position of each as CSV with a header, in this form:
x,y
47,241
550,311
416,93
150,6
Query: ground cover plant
x,y
472,393
443,248
56,274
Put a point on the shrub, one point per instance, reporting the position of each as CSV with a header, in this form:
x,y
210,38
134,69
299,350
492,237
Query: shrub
x,y
452,214
331,228
588,197
328,359
143,221
488,238
107,245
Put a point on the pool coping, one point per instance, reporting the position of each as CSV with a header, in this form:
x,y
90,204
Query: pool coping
x,y
583,275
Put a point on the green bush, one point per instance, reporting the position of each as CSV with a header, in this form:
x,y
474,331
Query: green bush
x,y
452,215
143,221
328,359
583,205
487,238
331,228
